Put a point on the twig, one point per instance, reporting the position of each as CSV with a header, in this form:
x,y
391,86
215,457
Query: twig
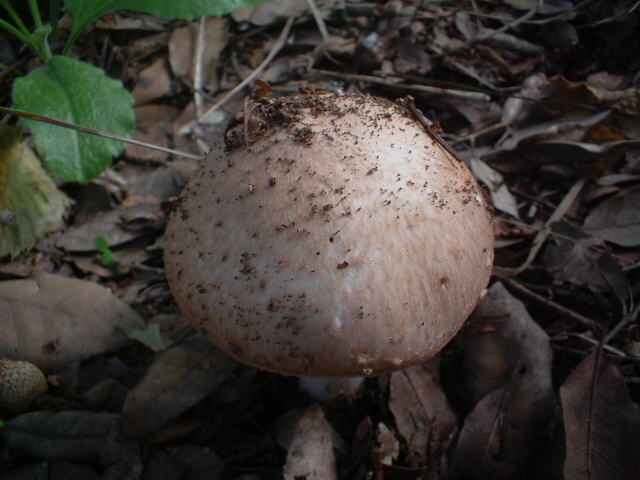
x,y
487,36
626,320
531,295
197,71
396,82
319,21
92,131
277,46
429,127
543,234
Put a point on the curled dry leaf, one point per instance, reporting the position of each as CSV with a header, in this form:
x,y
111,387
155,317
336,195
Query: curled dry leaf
x,y
494,181
507,375
423,416
602,423
52,320
389,446
310,455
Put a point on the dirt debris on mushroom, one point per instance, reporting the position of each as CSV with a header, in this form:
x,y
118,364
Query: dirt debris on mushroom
x,y
329,235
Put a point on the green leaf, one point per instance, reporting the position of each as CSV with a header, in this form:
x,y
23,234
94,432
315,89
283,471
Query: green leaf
x,y
106,254
101,243
30,203
151,336
76,92
40,37
106,257
86,11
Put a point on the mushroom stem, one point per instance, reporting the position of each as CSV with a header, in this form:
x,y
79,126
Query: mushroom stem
x,y
322,389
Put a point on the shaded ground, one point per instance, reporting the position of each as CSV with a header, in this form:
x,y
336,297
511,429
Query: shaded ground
x,y
543,105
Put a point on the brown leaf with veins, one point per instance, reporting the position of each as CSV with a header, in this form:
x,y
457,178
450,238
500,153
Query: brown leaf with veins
x,y
53,320
507,376
602,423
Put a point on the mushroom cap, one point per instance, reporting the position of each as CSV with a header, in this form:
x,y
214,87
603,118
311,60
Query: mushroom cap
x,y
329,235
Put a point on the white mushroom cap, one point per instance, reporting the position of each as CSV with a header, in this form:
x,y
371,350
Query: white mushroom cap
x,y
330,236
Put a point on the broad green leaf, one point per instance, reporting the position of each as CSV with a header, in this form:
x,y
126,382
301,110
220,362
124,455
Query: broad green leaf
x,y
84,12
75,92
30,203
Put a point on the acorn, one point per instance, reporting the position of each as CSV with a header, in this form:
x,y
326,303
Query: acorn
x,y
20,384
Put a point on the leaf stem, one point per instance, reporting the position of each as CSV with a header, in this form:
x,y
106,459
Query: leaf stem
x,y
35,13
24,38
16,18
54,18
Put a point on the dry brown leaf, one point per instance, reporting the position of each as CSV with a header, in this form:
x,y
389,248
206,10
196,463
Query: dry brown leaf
x,y
310,455
423,416
153,125
183,46
389,447
549,130
582,152
501,197
70,435
153,82
178,378
602,423
570,256
625,101
52,320
267,13
507,372
617,220
192,462
129,221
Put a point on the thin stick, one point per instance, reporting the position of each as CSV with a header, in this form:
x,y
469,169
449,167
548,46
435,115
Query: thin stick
x,y
428,126
531,295
277,46
319,21
80,128
396,82
198,100
543,234
487,36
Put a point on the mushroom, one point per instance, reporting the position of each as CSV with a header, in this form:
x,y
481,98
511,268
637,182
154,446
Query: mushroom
x,y
329,235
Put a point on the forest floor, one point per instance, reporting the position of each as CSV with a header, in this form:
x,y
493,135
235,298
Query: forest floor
x,y
540,99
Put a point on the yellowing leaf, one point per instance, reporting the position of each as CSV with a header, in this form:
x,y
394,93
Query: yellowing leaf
x,y
30,203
